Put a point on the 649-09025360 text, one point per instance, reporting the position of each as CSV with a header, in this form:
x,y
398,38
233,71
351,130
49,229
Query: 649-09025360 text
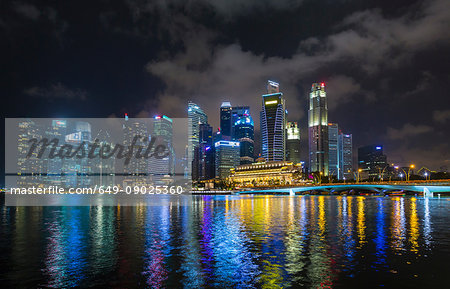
x,y
127,190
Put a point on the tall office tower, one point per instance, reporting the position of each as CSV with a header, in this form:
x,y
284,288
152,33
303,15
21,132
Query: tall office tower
x,y
78,170
318,129
103,168
371,160
345,146
163,168
206,154
29,167
293,142
136,171
57,130
196,116
333,149
227,157
273,124
225,120
243,131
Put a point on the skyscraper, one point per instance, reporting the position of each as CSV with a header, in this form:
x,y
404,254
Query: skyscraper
x,y
227,157
225,120
333,149
293,142
103,169
163,134
196,116
345,156
78,169
205,154
136,170
273,124
243,131
318,129
372,160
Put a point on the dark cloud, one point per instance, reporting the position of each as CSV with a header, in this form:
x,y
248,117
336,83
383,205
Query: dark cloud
x,y
56,91
441,116
407,131
27,10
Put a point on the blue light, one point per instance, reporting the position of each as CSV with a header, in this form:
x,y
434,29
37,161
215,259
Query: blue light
x,y
378,148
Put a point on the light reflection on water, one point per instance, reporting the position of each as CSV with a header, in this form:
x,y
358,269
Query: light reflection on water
x,y
230,241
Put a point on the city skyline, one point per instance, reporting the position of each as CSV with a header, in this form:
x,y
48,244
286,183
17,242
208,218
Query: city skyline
x,y
208,53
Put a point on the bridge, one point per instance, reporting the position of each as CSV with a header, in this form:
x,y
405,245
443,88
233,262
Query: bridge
x,y
385,188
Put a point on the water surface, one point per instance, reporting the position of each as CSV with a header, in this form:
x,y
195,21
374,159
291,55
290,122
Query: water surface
x,y
230,241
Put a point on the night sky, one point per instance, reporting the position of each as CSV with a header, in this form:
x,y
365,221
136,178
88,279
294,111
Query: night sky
x,y
386,64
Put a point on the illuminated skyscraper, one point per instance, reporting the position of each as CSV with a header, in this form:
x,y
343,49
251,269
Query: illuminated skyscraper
x,y
78,170
204,158
163,132
273,124
196,116
318,129
333,149
243,131
103,169
293,142
136,170
372,160
345,156
225,119
227,157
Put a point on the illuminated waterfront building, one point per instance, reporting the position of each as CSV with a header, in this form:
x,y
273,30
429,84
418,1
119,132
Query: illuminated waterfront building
x,y
162,169
103,169
225,120
243,131
264,173
345,145
371,160
318,129
136,170
293,142
57,130
273,124
227,157
196,116
78,169
333,149
204,159
29,168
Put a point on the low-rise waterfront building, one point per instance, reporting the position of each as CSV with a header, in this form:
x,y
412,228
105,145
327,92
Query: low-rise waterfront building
x,y
264,173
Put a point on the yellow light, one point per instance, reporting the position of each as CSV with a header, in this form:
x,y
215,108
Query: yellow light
x,y
271,102
360,170
412,166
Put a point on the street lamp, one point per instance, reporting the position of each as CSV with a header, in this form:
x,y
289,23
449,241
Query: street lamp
x,y
409,171
360,170
401,176
426,175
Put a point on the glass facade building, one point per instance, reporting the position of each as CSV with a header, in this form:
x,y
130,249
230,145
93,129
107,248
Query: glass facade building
x,y
371,160
318,129
243,131
196,116
273,124
225,119
227,157
293,142
333,149
345,156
